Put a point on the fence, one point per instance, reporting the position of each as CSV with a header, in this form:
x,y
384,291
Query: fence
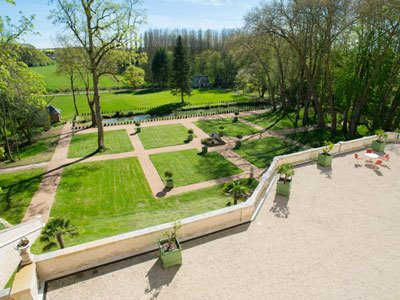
x,y
70,260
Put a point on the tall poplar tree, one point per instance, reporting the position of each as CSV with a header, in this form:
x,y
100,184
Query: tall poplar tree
x,y
160,68
180,73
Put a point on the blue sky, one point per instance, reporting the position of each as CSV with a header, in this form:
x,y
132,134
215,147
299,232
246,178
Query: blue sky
x,y
191,14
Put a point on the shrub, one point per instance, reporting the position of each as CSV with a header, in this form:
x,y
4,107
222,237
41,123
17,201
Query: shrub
x,y
168,174
328,147
239,136
190,138
190,131
382,135
137,123
221,127
236,113
204,142
287,171
235,119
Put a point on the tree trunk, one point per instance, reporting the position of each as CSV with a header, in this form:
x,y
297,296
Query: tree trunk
x,y
96,96
235,200
392,112
182,97
306,119
330,93
363,99
13,132
73,94
4,127
60,240
271,93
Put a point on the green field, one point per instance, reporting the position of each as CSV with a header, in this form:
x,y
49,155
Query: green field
x,y
188,167
116,141
138,99
40,151
18,190
275,120
231,129
261,152
60,83
111,197
163,136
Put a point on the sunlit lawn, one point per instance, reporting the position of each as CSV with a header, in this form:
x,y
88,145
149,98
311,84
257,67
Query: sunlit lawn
x,y
18,190
261,152
115,141
138,99
42,150
316,138
163,135
111,197
231,129
189,167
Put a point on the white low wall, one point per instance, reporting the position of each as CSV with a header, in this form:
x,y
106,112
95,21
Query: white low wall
x,y
9,238
73,259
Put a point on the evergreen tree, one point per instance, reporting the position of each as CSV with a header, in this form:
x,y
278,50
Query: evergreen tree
x,y
180,75
160,68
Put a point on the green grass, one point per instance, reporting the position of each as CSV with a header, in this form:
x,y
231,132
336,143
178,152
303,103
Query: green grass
x,y
163,136
115,141
261,152
132,100
18,190
111,197
316,138
55,83
2,227
231,129
40,151
275,120
188,167
11,279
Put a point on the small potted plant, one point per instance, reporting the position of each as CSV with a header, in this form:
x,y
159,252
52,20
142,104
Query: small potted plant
x,y
286,173
325,158
379,144
204,149
221,133
190,136
238,142
137,124
170,249
169,182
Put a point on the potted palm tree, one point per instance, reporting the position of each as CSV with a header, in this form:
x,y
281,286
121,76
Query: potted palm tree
x,y
54,230
204,149
235,189
169,182
325,158
283,185
170,249
379,144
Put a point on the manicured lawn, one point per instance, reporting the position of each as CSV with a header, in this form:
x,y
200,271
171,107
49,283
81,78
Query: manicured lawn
x,y
275,120
55,82
231,129
115,141
40,151
111,197
2,227
163,136
188,167
18,190
316,138
261,152
137,99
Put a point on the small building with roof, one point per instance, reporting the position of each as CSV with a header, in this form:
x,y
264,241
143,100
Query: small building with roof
x,y
200,81
54,114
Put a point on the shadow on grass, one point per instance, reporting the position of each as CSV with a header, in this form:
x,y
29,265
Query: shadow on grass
x,y
163,193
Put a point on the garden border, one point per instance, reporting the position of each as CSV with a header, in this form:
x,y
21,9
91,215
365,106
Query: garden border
x,y
85,256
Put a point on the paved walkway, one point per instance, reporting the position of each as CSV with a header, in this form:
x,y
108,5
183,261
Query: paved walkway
x,y
336,237
24,168
44,197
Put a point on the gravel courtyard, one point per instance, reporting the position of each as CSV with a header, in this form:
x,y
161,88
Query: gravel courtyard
x,y
337,237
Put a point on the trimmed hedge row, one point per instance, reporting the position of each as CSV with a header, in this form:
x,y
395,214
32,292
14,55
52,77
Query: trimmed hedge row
x,y
171,118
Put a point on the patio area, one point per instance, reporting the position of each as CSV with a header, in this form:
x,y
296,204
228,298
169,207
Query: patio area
x,y
337,236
